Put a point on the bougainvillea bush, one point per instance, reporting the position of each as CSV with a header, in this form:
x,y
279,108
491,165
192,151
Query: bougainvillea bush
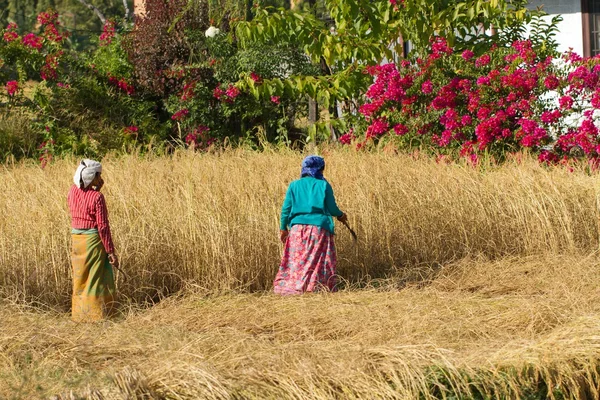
x,y
501,102
196,73
76,102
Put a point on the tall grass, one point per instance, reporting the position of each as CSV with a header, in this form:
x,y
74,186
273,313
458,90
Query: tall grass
x,y
212,219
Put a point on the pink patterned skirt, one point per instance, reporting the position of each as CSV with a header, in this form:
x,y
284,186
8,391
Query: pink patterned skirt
x,y
308,263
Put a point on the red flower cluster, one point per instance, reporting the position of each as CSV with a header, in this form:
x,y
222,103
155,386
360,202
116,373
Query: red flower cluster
x,y
498,102
347,137
180,115
108,33
188,91
227,95
12,87
49,70
48,18
32,41
255,77
198,135
10,35
122,84
46,149
130,130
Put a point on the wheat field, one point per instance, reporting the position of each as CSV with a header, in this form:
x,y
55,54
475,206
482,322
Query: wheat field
x,y
211,220
465,282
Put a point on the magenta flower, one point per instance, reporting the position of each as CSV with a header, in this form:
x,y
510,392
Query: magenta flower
x,y
467,55
11,33
108,33
32,41
180,115
483,60
47,18
565,102
427,87
255,77
347,137
232,92
275,99
400,129
130,130
551,82
12,87
218,93
378,127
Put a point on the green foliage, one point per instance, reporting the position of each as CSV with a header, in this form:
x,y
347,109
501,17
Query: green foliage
x,y
165,81
80,21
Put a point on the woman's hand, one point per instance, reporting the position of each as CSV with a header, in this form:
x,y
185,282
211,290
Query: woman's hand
x,y
343,218
113,260
283,235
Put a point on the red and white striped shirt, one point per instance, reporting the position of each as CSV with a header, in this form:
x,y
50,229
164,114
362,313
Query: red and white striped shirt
x,y
88,211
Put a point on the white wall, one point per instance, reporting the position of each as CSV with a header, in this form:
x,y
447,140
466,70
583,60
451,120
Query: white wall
x,y
571,29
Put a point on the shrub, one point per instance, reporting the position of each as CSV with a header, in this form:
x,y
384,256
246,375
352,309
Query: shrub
x,y
500,102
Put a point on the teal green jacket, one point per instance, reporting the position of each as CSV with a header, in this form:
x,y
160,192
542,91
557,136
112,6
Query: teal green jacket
x,y
309,201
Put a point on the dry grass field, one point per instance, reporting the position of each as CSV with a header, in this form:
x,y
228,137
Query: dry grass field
x,y
465,283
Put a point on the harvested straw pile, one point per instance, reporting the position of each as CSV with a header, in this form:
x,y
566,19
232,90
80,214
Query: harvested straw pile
x,y
522,328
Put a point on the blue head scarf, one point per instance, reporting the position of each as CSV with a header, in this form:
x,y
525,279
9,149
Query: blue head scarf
x,y
313,166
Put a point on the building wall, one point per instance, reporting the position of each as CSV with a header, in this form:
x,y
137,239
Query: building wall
x,y
571,28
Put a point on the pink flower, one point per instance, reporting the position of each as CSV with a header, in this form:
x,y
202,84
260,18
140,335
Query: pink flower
x,y
377,127
33,41
188,91
108,33
550,117
11,33
275,99
483,60
548,157
199,134
218,93
255,77
551,82
191,139
47,18
232,92
566,102
180,115
484,81
52,34
122,84
130,130
427,87
467,55
400,129
439,46
466,120
12,87
347,137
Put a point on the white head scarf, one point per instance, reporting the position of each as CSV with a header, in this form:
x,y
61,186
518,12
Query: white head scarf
x,y
86,172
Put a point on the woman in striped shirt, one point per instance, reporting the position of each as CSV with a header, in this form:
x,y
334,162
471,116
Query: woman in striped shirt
x,y
93,250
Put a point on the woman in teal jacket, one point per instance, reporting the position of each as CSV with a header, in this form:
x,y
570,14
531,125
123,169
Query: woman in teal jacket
x,y
309,259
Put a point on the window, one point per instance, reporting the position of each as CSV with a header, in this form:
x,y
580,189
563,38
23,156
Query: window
x,y
593,9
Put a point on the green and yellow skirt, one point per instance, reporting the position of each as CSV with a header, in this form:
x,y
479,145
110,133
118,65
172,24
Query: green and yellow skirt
x,y
93,279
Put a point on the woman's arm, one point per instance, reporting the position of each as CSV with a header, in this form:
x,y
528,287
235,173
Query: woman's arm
x,y
286,210
103,225
330,203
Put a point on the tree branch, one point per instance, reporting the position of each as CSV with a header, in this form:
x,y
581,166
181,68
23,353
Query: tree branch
x,y
126,17
95,10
